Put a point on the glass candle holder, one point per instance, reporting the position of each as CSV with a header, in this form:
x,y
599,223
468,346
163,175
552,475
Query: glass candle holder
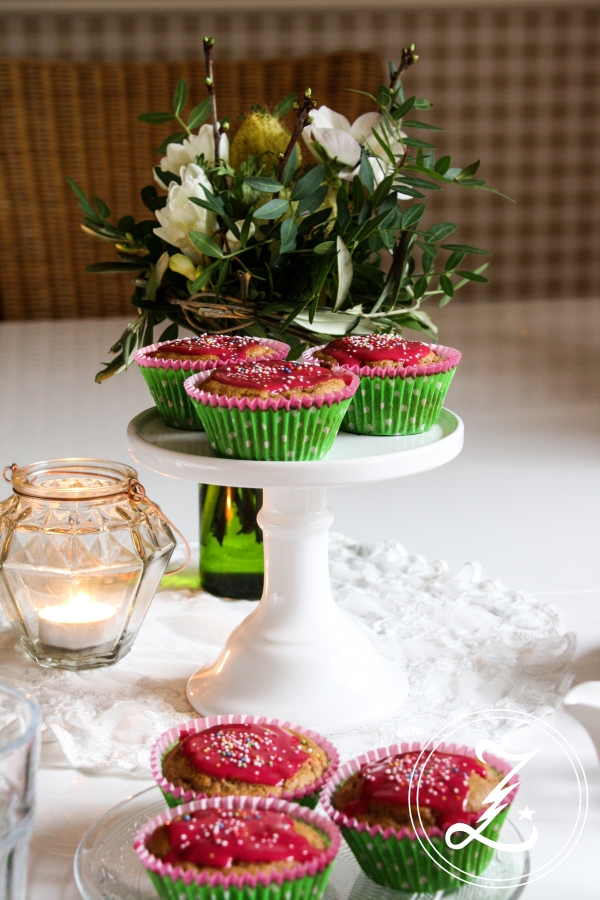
x,y
82,552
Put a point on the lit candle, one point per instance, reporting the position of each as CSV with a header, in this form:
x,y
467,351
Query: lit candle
x,y
80,623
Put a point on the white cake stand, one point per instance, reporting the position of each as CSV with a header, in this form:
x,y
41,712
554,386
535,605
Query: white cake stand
x,y
297,656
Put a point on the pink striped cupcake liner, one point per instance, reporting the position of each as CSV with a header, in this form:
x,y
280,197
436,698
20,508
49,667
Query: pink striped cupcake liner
x,y
298,880
175,795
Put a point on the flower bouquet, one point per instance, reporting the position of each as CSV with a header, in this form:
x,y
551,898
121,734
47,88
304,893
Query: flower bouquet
x,y
299,235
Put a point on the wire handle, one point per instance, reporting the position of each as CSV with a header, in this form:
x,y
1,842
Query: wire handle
x,y
137,494
6,469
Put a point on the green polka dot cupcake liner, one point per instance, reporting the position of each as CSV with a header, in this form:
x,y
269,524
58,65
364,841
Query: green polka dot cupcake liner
x,y
281,430
297,881
165,379
399,400
418,861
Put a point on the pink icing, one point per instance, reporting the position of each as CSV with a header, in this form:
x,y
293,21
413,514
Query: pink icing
x,y
363,349
442,781
257,754
221,838
223,346
274,377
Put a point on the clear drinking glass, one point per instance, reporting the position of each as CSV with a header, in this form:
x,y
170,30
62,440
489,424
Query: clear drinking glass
x,y
82,551
19,754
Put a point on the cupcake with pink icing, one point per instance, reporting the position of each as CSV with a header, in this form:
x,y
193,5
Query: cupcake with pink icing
x,y
408,813
272,410
166,365
223,756
403,384
239,848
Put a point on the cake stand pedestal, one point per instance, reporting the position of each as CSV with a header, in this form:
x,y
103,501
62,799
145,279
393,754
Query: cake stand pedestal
x,y
298,656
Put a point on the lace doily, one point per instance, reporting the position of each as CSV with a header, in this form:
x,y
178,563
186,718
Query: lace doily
x,y
465,643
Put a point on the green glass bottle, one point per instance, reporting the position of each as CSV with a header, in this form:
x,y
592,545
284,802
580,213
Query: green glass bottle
x,y
231,542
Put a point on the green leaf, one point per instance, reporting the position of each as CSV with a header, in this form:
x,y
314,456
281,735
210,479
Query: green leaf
x,y
177,137
290,166
420,287
324,248
412,123
246,228
205,244
415,142
284,106
440,231
199,114
260,183
314,220
358,193
311,203
211,201
156,118
417,183
467,248
366,173
381,140
106,268
446,285
445,300
151,199
443,164
404,108
473,276
345,273
272,210
412,215
156,276
454,260
204,277
126,223
308,183
84,203
288,232
102,207
180,97
421,103
468,171
383,95
171,333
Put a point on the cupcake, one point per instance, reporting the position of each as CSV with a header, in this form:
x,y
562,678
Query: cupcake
x,y
397,805
240,848
402,383
272,410
166,365
230,755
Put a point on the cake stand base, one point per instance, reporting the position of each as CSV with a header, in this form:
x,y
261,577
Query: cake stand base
x,y
298,656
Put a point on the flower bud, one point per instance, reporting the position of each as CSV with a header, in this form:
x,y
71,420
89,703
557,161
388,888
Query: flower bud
x,y
183,266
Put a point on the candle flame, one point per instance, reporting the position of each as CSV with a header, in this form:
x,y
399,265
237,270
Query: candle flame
x,y
228,505
79,611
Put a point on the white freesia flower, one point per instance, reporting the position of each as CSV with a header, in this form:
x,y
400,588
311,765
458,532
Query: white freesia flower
x,y
232,241
194,146
180,215
343,141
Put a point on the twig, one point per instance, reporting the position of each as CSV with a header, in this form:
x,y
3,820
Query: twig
x,y
302,121
408,58
208,44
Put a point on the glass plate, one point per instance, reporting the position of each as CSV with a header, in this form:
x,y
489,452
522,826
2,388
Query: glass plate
x,y
106,868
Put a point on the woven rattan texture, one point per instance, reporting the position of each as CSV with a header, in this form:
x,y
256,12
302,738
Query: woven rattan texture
x,y
59,119
517,87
